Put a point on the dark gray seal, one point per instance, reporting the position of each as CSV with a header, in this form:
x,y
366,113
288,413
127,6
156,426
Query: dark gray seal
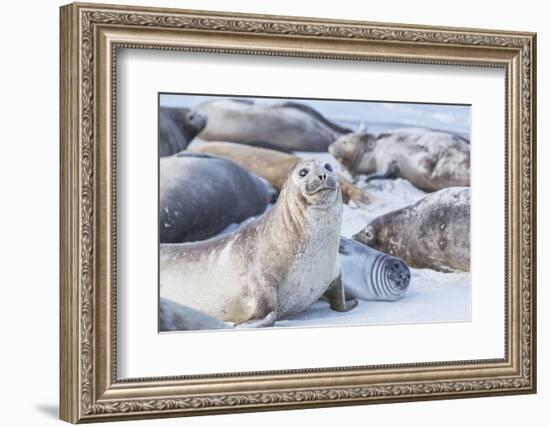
x,y
432,233
368,274
177,128
287,126
273,267
200,195
430,160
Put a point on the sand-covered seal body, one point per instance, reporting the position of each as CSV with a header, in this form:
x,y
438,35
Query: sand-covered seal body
x,y
177,128
273,267
200,195
431,160
432,233
288,126
273,166
369,274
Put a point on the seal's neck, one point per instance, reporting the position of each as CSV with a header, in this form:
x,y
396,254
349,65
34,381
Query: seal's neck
x,y
354,163
290,214
299,220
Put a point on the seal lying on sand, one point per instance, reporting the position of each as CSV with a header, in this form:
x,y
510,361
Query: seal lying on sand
x,y
273,166
372,275
433,233
177,127
431,160
176,317
200,195
284,126
273,267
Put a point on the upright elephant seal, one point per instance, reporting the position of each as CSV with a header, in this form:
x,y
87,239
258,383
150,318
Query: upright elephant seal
x,y
287,126
431,160
177,128
273,166
200,195
433,233
372,275
273,267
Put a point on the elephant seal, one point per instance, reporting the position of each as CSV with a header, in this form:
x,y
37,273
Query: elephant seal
x,y
273,166
430,160
177,317
372,275
177,127
273,267
432,233
287,126
200,195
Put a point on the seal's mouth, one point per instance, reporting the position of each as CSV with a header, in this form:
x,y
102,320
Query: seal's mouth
x,y
323,189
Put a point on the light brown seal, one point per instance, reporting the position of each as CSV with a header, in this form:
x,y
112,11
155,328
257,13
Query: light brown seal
x,y
273,267
273,166
432,233
287,126
430,160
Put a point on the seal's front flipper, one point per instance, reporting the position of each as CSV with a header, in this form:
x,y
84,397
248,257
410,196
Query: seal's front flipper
x,y
268,320
337,298
390,173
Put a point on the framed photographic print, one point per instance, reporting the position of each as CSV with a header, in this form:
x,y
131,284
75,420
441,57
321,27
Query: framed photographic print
x,y
267,212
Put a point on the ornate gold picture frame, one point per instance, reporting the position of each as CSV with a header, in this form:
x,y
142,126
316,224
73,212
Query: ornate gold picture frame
x,y
91,37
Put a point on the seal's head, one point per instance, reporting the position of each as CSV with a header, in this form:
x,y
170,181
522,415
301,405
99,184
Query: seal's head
x,y
189,121
367,236
315,182
350,148
377,235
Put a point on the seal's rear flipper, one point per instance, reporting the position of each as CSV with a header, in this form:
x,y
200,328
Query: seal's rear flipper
x,y
337,298
268,320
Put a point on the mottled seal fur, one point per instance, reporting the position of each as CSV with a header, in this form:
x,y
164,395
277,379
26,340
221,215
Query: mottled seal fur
x,y
432,233
431,160
273,267
273,166
177,128
200,195
282,126
372,275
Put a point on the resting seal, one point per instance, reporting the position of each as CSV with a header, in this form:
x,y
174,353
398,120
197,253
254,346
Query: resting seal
x,y
273,267
430,160
177,127
432,233
372,275
284,126
200,195
273,166
176,317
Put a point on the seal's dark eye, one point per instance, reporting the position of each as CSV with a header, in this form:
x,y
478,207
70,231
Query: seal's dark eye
x,y
328,167
303,172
